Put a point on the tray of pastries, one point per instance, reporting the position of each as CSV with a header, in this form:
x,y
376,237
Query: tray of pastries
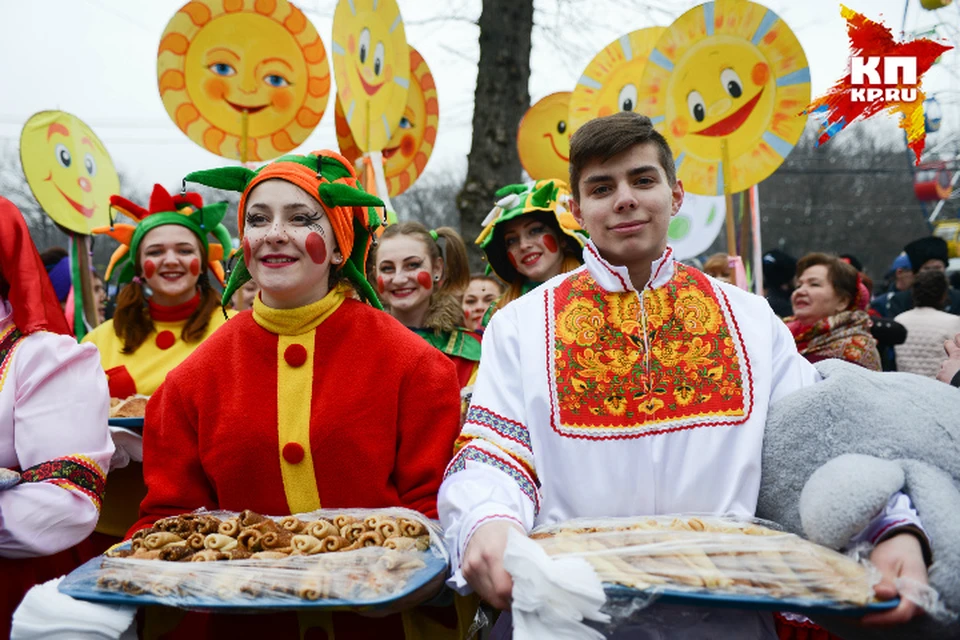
x,y
128,412
247,561
716,562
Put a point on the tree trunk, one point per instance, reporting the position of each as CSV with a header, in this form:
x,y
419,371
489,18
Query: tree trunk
x,y
500,101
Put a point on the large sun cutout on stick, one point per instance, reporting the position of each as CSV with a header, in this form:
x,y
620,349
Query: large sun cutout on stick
x,y
728,79
371,63
244,79
407,152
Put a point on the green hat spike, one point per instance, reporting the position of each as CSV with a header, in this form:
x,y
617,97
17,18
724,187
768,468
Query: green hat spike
x,y
510,188
339,194
544,196
226,178
210,216
239,276
363,287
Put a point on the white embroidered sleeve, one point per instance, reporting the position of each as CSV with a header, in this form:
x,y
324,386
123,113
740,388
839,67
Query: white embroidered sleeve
x,y
493,474
62,444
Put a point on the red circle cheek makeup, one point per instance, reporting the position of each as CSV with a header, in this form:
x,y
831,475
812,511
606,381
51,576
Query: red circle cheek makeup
x,y
425,280
246,251
550,243
380,286
149,268
195,266
316,247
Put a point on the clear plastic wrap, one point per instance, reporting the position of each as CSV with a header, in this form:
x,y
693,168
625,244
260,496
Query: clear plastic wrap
x,y
713,559
331,558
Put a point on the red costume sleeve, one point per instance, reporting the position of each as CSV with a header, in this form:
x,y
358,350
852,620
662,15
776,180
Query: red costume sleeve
x,y
427,426
176,482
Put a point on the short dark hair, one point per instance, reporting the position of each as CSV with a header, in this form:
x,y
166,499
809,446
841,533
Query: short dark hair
x,y
604,138
842,276
929,289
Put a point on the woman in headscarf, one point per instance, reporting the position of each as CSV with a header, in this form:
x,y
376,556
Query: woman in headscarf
x,y
314,399
829,313
55,448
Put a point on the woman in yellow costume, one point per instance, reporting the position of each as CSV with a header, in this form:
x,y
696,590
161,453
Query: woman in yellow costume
x,y
165,311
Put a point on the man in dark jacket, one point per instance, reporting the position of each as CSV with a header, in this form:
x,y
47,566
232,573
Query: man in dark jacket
x,y
778,271
925,254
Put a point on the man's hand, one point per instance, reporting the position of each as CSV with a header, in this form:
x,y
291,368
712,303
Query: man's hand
x,y
950,366
897,557
482,563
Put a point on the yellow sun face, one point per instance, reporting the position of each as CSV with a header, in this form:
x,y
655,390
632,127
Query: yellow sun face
x,y
229,67
68,170
543,138
407,152
611,81
372,66
727,73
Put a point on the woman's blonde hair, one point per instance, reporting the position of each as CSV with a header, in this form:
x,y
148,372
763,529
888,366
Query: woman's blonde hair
x,y
445,312
515,288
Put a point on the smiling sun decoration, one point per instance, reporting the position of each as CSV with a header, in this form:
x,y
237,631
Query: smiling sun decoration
x,y
221,62
729,72
69,170
543,138
371,63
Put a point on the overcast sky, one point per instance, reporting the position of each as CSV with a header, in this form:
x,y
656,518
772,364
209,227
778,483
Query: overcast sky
x,y
97,60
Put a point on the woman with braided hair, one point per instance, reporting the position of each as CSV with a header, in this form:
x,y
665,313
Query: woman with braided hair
x,y
314,398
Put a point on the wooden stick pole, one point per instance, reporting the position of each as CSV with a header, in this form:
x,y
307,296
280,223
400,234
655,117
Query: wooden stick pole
x,y
728,197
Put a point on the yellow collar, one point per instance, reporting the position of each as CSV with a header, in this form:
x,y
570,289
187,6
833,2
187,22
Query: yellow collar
x,y
294,322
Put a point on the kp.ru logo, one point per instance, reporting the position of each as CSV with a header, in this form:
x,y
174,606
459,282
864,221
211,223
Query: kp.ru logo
x,y
884,76
897,71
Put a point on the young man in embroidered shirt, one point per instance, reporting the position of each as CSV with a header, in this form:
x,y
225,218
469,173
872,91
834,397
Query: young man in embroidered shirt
x,y
632,386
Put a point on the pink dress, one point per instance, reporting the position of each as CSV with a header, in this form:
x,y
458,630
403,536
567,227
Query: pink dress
x,y
53,429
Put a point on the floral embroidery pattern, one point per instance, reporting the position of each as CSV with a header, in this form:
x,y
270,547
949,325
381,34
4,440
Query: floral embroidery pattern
x,y
606,384
74,473
9,341
476,454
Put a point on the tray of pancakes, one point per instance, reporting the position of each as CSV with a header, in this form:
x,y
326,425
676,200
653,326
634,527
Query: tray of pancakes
x,y
246,561
128,412
716,562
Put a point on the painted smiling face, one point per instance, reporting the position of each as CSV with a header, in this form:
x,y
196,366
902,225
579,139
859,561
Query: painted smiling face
x,y
543,138
727,73
372,68
68,170
407,152
610,83
218,67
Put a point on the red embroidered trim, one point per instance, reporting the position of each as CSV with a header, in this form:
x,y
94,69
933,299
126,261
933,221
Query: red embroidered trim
x,y
604,264
666,257
895,523
74,472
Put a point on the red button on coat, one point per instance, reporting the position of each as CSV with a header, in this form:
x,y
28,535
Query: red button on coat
x,y
166,339
295,355
292,452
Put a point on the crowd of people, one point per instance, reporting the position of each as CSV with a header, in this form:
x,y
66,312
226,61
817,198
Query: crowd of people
x,y
346,366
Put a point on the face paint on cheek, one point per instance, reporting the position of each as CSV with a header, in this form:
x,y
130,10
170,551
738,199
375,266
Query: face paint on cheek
x,y
195,266
550,243
149,268
425,280
316,247
380,286
512,259
246,251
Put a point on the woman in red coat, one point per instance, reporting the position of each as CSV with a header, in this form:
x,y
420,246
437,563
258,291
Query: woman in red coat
x,y
311,399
